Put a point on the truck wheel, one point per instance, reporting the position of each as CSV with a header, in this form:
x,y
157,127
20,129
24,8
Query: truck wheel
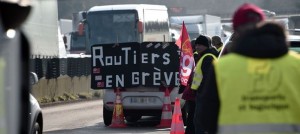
x,y
133,118
107,116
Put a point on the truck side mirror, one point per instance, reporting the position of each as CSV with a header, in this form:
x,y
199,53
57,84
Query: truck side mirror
x,y
65,39
140,26
81,29
33,78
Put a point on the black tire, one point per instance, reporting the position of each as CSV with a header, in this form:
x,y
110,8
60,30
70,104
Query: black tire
x,y
133,118
37,129
107,116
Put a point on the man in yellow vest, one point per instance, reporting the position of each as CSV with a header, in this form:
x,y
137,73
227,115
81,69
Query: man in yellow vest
x,y
217,43
208,54
255,88
202,46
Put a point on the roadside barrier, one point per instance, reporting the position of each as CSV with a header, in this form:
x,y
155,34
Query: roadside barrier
x,y
52,68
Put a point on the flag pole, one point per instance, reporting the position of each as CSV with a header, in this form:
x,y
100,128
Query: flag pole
x,y
184,42
180,55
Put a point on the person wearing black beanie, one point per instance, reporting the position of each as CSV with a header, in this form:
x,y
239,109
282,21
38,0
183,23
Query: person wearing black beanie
x,y
203,40
203,43
202,48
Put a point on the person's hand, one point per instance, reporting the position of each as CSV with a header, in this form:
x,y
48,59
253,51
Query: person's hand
x,y
181,89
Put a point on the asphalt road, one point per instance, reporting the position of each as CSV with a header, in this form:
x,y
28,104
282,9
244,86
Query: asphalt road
x,y
86,118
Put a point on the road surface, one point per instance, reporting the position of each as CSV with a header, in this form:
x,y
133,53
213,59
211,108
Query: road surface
x,y
86,118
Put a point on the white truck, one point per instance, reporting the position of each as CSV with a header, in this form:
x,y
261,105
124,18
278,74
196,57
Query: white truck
x,y
130,26
74,40
43,31
66,30
199,24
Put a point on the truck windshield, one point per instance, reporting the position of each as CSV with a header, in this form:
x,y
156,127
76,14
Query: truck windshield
x,y
106,27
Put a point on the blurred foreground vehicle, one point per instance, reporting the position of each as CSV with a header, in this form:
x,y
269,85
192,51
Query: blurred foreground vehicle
x,y
14,68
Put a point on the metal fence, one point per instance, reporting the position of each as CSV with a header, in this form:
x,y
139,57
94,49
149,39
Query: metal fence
x,y
55,67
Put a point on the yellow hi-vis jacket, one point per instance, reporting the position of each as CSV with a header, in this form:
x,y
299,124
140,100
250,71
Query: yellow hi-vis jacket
x,y
198,75
259,95
220,48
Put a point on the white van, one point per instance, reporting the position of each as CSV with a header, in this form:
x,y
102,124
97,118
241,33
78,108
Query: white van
x,y
134,23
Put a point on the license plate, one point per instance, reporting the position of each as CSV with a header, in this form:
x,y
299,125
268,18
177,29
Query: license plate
x,y
143,100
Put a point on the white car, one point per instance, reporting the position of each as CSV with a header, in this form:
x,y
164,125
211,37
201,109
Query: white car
x,y
36,116
294,41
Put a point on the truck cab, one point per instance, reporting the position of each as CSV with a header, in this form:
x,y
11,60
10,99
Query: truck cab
x,y
126,23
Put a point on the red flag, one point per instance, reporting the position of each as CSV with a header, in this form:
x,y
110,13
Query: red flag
x,y
187,61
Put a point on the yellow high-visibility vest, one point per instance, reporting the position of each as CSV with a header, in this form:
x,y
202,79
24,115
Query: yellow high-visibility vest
x,y
219,49
198,75
259,95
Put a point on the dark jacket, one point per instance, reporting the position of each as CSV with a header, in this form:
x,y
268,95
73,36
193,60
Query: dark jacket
x,y
188,94
206,64
264,42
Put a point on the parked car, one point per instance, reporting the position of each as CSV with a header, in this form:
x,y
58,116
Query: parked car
x,y
294,41
36,116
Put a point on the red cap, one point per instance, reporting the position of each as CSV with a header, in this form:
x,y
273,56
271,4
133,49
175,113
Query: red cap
x,y
244,15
